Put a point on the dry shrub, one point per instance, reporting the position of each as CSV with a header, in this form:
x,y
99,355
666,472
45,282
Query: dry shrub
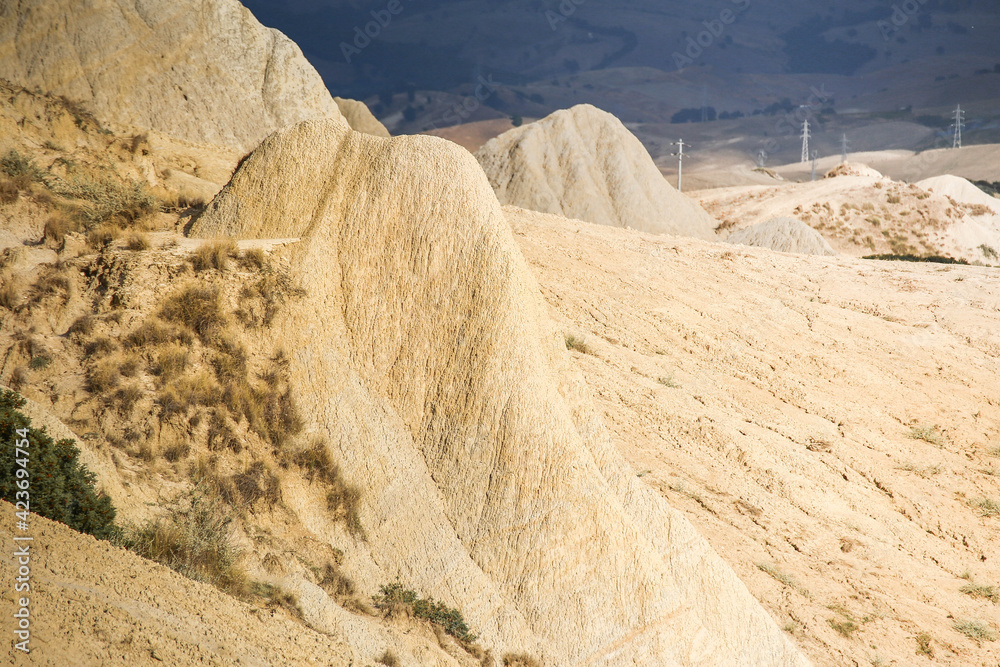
x,y
155,332
128,396
99,346
187,392
171,360
102,236
176,452
137,242
342,500
254,259
56,228
222,436
107,199
9,192
214,255
255,484
388,658
278,598
103,377
10,293
195,538
199,308
520,660
18,378
578,344
139,144
50,284
129,366
261,301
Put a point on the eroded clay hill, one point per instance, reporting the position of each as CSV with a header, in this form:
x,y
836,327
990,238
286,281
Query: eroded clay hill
x,y
200,71
424,354
783,235
861,212
830,424
583,163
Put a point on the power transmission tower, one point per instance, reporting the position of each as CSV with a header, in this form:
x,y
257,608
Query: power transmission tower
x,y
680,160
805,140
843,148
761,158
956,141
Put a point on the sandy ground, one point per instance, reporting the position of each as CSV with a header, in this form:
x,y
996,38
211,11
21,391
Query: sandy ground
x,y
772,396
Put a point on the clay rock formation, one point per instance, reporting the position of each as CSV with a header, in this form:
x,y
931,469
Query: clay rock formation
x,y
961,190
203,71
360,118
424,355
853,169
783,235
583,163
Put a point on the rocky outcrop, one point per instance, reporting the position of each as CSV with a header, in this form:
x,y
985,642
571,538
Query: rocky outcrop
x,y
583,163
424,355
783,235
360,118
200,70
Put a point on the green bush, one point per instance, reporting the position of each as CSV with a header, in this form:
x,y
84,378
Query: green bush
x,y
449,619
60,487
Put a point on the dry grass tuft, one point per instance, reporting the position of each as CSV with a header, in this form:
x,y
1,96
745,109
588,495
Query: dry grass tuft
x,y
255,484
578,344
520,660
929,434
388,658
924,646
171,360
214,255
976,630
199,308
186,392
137,242
986,506
195,538
10,293
254,259
155,332
991,593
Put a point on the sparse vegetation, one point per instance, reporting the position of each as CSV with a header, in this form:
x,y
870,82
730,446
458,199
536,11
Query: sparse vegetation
x,y
988,251
21,171
108,199
846,628
214,255
929,434
781,577
668,381
924,646
195,538
907,257
520,660
984,591
976,630
62,488
449,619
388,658
199,307
137,242
985,506
578,343
925,472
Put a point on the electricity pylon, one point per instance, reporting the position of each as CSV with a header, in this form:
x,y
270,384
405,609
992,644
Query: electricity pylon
x,y
680,160
959,123
805,140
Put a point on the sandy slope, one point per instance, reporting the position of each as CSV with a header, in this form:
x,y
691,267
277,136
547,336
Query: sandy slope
x,y
789,386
